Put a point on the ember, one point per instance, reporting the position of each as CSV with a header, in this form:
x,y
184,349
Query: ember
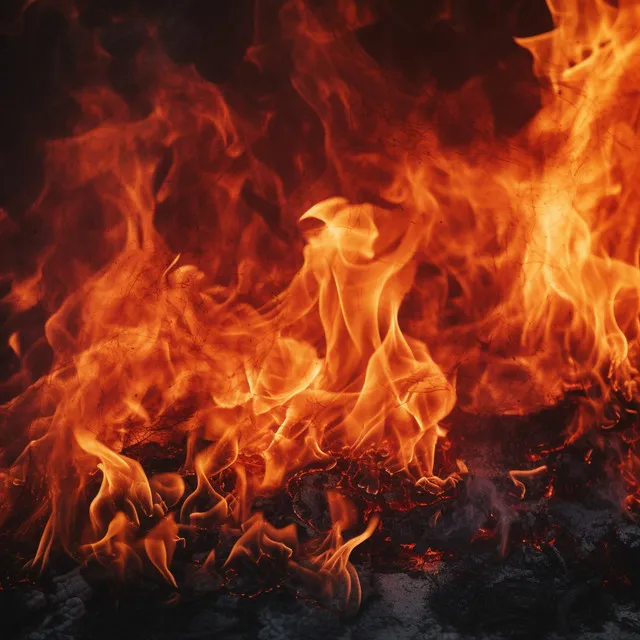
x,y
291,311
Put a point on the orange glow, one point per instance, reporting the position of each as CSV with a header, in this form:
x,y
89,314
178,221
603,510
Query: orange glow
x,y
493,280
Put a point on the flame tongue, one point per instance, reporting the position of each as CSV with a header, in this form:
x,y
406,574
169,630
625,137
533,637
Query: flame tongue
x,y
273,340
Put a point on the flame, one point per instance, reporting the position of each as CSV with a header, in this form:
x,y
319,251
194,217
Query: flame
x,y
516,474
258,303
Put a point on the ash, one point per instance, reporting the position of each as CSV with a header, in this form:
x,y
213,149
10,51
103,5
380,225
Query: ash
x,y
562,568
528,594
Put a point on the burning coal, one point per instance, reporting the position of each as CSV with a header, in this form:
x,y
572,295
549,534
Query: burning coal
x,y
256,283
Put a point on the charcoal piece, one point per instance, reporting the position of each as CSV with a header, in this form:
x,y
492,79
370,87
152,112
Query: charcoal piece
x,y
289,619
587,526
63,608
219,618
399,609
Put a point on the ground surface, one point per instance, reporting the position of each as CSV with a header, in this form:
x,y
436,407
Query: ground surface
x,y
583,591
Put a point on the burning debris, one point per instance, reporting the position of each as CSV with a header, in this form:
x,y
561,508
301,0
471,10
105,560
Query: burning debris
x,y
287,335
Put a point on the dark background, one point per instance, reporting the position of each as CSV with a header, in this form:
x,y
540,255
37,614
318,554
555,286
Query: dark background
x,y
39,65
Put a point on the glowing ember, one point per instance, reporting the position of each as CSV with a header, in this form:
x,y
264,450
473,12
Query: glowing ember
x,y
254,323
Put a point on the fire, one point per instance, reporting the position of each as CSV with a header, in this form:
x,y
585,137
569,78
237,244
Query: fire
x,y
259,304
